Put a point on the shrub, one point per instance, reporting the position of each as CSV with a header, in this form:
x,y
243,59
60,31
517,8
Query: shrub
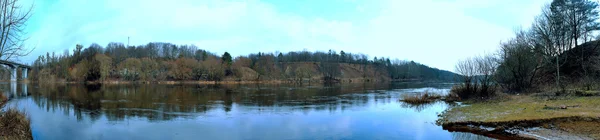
x,y
476,77
130,69
3,99
14,125
472,91
420,98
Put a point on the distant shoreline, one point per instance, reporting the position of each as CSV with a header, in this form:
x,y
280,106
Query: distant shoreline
x,y
215,82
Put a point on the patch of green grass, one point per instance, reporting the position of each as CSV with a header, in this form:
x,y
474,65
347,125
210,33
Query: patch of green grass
x,y
588,93
524,108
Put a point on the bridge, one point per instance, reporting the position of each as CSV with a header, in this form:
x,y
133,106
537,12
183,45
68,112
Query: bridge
x,y
14,66
14,90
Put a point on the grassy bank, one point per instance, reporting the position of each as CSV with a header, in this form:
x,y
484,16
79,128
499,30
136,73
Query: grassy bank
x,y
14,125
572,115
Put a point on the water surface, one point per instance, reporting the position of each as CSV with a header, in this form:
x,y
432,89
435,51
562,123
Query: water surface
x,y
154,111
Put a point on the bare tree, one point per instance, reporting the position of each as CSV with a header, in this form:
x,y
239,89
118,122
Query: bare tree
x,y
13,18
486,67
518,62
477,75
551,38
468,70
560,27
579,16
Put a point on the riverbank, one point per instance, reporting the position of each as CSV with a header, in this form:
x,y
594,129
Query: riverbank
x,y
535,116
14,125
224,82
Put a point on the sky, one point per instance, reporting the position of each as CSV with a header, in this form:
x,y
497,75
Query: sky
x,y
437,33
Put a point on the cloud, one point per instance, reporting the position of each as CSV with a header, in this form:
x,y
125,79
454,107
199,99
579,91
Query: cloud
x,y
436,33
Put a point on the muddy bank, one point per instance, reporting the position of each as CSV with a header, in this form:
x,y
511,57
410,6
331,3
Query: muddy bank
x,y
574,127
484,131
528,116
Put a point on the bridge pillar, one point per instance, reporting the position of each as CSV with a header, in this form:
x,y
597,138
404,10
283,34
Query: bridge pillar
x,y
24,73
13,89
13,74
24,89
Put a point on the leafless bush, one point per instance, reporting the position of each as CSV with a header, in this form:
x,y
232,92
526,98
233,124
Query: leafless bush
x,y
477,76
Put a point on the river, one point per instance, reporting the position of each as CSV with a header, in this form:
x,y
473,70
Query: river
x,y
186,111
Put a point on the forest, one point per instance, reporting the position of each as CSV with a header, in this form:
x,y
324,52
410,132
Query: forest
x,y
558,52
158,61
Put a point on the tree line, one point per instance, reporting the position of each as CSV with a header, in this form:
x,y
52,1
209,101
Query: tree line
x,y
559,50
160,61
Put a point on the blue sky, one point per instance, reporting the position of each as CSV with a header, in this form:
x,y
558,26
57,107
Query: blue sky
x,y
437,33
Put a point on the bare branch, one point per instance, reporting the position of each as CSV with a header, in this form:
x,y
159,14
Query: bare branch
x,y
12,29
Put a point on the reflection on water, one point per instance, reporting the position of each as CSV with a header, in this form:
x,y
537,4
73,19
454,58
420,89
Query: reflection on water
x,y
468,136
417,107
153,111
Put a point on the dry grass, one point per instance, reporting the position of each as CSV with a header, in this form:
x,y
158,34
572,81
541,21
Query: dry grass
x,y
452,97
525,107
3,100
14,125
531,108
587,128
420,98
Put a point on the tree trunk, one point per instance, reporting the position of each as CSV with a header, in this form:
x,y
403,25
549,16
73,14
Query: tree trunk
x,y
557,73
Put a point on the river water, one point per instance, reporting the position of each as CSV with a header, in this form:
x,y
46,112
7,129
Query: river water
x,y
155,111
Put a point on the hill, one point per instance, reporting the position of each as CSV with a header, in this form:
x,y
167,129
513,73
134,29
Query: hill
x,y
169,62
